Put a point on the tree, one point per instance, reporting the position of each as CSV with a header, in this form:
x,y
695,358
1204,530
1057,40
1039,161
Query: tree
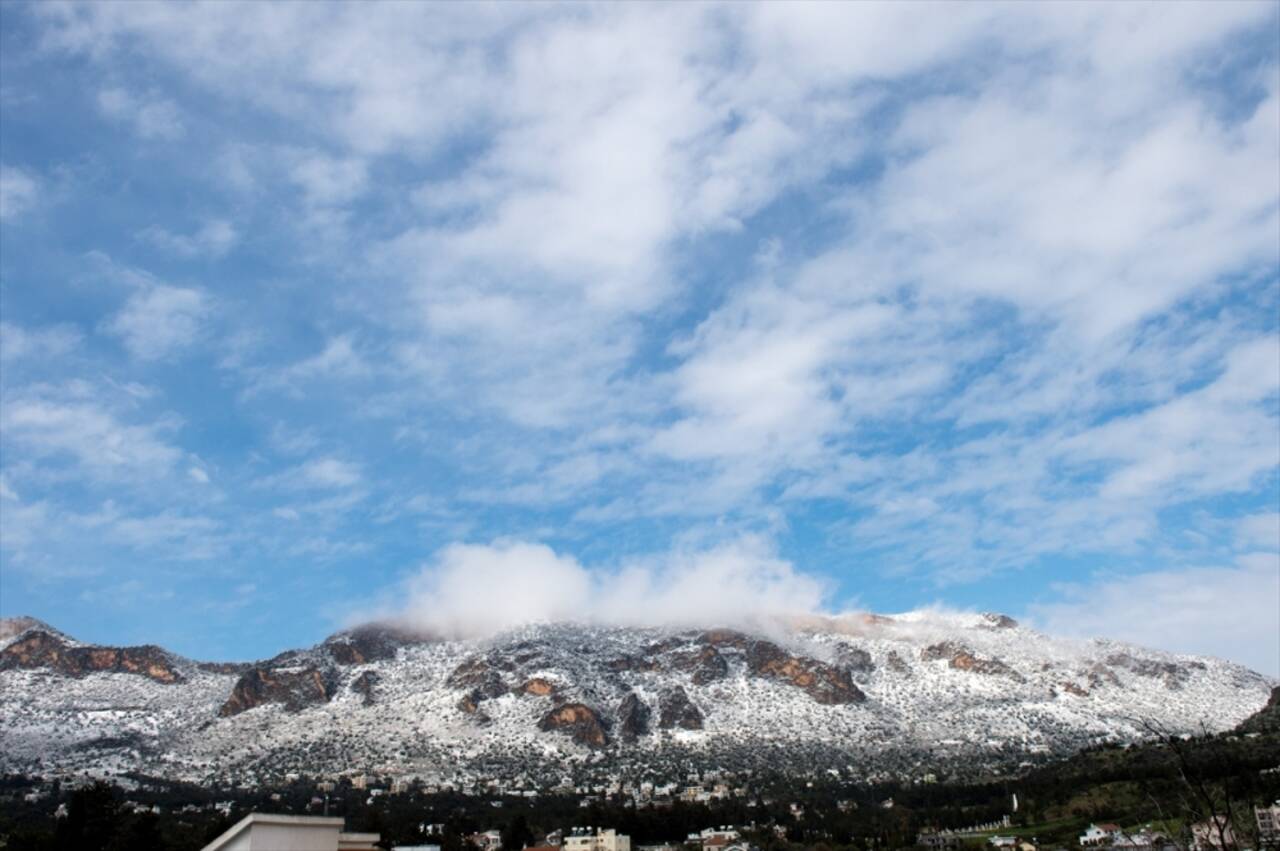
x,y
516,834
93,817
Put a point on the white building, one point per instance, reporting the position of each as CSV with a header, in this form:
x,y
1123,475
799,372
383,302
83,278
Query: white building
x,y
1100,834
487,841
1268,819
1211,834
597,840
267,832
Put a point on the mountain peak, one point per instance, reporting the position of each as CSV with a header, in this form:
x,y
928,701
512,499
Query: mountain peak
x,y
11,628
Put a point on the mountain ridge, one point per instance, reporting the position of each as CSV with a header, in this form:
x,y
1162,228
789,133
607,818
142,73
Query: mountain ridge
x,y
854,693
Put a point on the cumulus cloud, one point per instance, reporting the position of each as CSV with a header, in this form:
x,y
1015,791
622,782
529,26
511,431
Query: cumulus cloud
x,y
474,590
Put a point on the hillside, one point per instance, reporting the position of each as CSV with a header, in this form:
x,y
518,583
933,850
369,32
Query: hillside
x,y
870,697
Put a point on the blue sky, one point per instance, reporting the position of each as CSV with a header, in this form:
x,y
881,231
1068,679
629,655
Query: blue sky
x,y
319,312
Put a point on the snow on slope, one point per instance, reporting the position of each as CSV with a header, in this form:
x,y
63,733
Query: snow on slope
x,y
940,690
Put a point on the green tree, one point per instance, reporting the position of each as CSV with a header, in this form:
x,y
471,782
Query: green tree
x,y
516,834
93,818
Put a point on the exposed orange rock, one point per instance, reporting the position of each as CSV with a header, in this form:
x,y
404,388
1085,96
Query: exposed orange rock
x,y
294,689
963,659
824,683
39,649
538,687
579,720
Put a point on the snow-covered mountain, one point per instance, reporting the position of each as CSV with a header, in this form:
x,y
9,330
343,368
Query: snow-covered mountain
x,y
864,696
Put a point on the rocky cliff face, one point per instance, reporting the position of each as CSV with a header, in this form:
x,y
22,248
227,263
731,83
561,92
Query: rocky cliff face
x,y
583,724
633,717
366,684
963,659
294,690
371,643
824,683
36,648
675,709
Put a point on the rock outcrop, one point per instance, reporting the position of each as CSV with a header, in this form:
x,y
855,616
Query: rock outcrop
x,y
295,689
580,721
962,658
824,683
1173,674
633,717
368,643
538,687
676,710
479,675
39,649
365,685
705,665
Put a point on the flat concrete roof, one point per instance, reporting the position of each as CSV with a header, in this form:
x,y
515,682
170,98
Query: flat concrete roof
x,y
273,818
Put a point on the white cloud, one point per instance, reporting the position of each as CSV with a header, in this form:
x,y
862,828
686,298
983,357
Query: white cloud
x,y
340,359
151,117
328,181
213,239
1216,439
159,320
19,192
1010,325
76,422
478,590
1260,531
330,473
48,343
52,540
1231,612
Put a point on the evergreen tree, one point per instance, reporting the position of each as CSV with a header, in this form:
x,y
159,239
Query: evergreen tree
x,y
516,834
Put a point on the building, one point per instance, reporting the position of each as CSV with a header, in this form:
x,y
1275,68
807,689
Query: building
x,y
268,832
490,840
938,839
1213,833
1268,819
1143,839
589,839
1099,834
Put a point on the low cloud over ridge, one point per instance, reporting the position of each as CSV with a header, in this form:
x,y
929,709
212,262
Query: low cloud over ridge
x,y
477,590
